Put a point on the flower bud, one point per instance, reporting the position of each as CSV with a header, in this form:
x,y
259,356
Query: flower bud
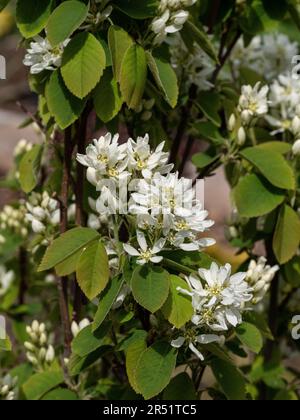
x,y
246,116
50,355
241,136
231,122
296,148
296,125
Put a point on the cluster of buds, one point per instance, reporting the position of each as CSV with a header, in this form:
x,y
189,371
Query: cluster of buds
x,y
172,17
238,129
8,390
40,351
13,219
77,327
145,109
22,147
259,277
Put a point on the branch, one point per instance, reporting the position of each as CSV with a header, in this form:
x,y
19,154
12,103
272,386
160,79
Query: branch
x,y
63,282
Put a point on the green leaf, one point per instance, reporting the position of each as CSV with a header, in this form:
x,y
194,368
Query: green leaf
x,y
260,321
141,9
69,265
133,76
276,146
64,106
192,33
178,309
107,98
119,42
230,379
65,19
5,344
93,270
286,395
60,394
250,336
107,299
134,352
29,168
272,165
83,63
155,368
202,160
67,245
150,287
292,271
87,342
78,364
255,197
181,388
209,103
286,239
165,78
32,16
41,383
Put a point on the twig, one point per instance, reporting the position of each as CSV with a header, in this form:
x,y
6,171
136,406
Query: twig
x,y
31,116
23,275
186,154
182,125
63,282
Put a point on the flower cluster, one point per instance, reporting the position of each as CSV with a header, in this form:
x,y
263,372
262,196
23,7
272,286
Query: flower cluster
x,y
13,219
259,278
6,280
167,213
42,210
172,17
42,56
40,351
8,388
192,67
268,55
218,299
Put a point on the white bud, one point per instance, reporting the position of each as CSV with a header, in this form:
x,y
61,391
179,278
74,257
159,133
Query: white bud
x,y
43,339
42,354
50,355
35,326
29,346
241,136
75,329
231,122
246,116
32,359
296,125
296,148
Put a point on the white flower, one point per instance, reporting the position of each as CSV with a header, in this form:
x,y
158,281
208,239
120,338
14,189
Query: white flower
x,y
218,297
193,67
172,16
145,254
169,203
104,158
253,102
142,159
259,278
296,148
6,280
41,56
198,339
77,327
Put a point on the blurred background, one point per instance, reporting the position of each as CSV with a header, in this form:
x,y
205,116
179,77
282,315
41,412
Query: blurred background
x,y
15,89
